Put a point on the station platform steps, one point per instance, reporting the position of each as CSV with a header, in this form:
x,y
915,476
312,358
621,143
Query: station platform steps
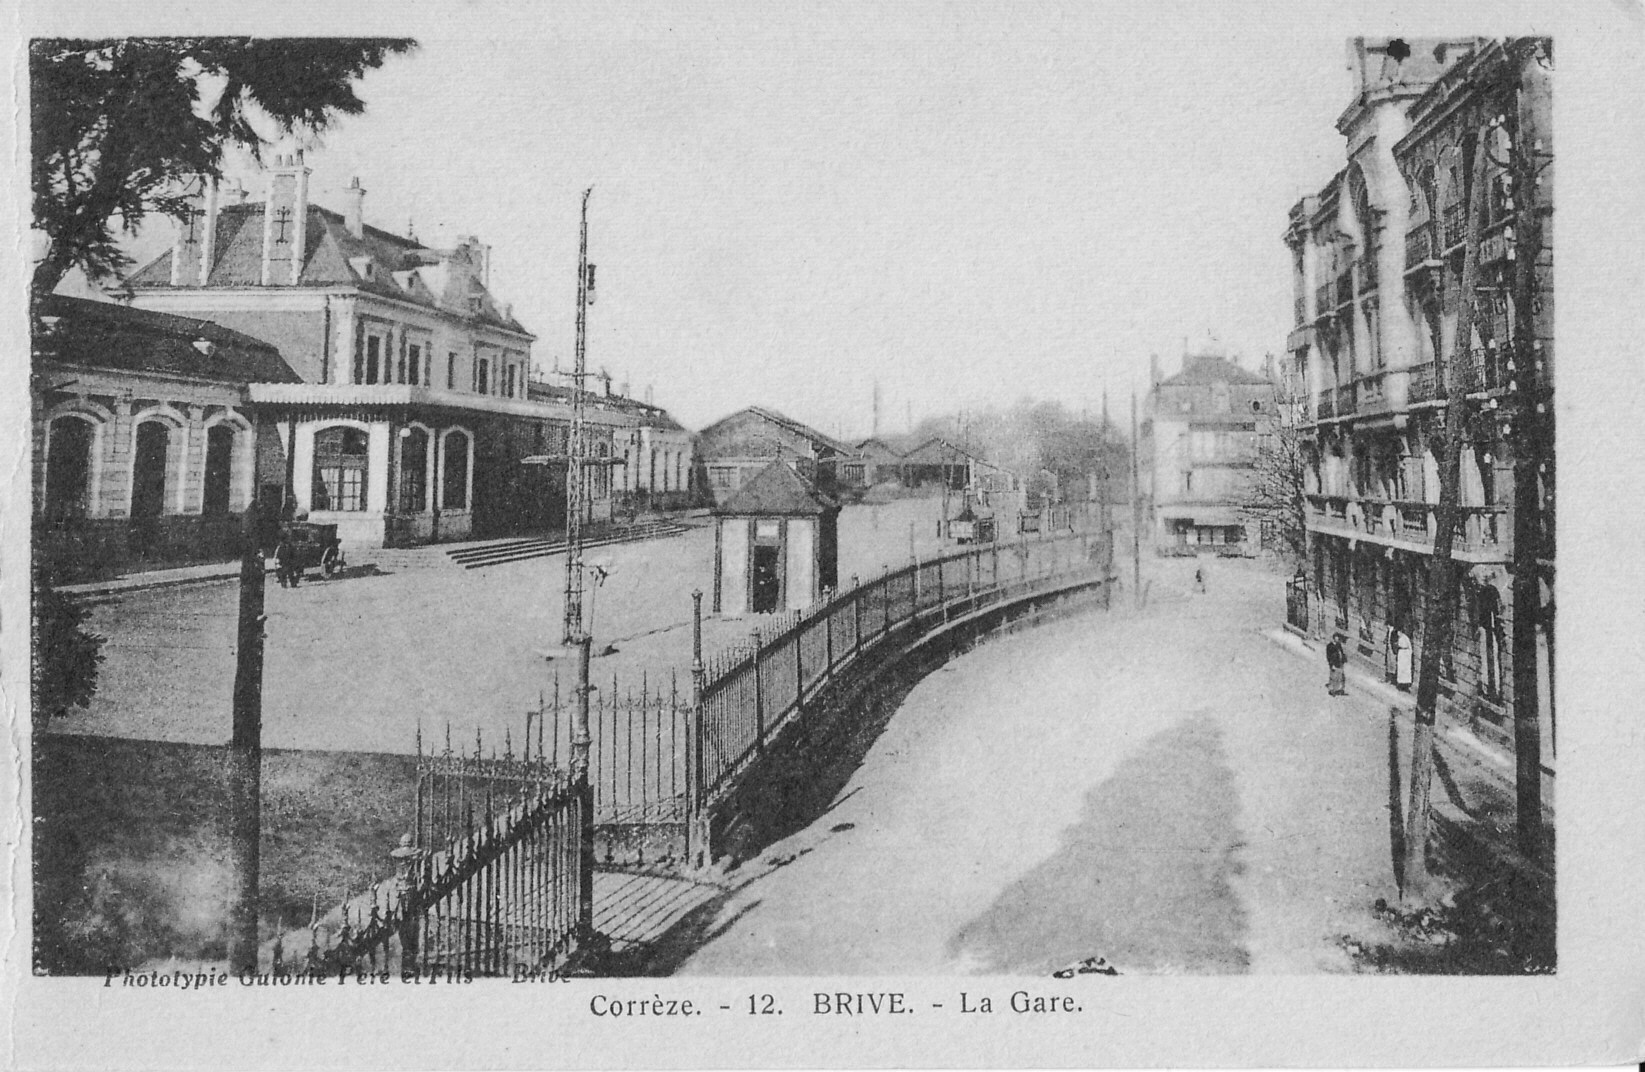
x,y
522,549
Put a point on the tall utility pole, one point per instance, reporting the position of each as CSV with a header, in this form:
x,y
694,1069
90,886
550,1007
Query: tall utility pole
x,y
576,451
1136,508
1440,615
1532,422
246,751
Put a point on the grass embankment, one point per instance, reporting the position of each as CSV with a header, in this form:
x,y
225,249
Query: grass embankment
x,y
131,849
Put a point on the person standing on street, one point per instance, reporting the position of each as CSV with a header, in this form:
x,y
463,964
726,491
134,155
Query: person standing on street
x,y
1402,661
285,562
1199,579
1336,657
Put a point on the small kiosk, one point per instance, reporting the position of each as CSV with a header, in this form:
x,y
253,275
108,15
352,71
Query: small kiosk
x,y
776,544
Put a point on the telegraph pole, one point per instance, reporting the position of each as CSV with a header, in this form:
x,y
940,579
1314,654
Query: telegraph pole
x,y
246,751
576,451
1136,508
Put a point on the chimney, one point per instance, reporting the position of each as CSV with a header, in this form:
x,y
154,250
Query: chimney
x,y
188,252
354,201
283,217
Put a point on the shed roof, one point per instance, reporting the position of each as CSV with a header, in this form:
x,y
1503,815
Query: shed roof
x,y
804,431
777,491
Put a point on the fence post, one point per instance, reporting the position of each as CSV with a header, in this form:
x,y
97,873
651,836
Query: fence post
x,y
584,785
759,695
856,615
799,666
696,830
828,640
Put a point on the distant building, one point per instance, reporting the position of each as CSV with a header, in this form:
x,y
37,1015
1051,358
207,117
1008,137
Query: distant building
x,y
736,448
146,450
414,406
1200,435
880,462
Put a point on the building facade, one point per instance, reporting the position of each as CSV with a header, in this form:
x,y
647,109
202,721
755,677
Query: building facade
x,y
1201,432
737,448
145,446
1378,270
414,410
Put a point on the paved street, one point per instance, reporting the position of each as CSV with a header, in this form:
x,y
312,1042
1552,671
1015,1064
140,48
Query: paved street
x,y
353,664
1168,789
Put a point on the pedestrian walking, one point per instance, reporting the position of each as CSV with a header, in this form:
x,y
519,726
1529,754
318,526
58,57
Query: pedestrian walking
x,y
1390,653
1402,661
285,563
1199,579
1336,657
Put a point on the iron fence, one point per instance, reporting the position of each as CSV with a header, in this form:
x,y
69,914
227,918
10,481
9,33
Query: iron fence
x,y
750,692
490,878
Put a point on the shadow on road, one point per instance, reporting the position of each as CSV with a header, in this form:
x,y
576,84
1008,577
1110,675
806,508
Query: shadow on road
x,y
1143,879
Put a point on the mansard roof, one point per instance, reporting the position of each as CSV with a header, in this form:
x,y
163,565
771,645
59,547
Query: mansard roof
x,y
1199,370
399,268
106,335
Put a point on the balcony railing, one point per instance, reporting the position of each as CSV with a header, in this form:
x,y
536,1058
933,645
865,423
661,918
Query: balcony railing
x,y
1370,391
1421,387
1483,369
1417,247
1481,530
1456,224
1324,299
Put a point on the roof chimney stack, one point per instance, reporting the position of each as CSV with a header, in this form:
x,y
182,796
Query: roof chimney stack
x,y
354,208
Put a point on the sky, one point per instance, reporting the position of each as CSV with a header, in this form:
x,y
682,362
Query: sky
x,y
969,205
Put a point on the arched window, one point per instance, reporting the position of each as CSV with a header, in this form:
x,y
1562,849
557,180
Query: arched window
x,y
219,470
413,471
340,462
68,467
454,474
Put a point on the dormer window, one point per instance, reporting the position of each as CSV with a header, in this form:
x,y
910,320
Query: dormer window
x,y
475,306
364,267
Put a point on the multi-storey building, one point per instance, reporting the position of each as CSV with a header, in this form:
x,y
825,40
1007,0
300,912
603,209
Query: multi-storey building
x,y
1200,433
414,411
1378,264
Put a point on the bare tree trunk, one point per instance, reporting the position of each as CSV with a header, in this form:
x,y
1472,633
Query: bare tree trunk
x,y
1440,611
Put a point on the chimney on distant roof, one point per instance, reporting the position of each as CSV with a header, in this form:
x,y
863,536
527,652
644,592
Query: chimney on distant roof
x,y
354,207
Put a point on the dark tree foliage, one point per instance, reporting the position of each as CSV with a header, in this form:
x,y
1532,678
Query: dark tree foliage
x,y
1276,494
125,128
66,656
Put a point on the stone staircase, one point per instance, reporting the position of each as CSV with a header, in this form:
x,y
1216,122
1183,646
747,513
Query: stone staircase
x,y
500,552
